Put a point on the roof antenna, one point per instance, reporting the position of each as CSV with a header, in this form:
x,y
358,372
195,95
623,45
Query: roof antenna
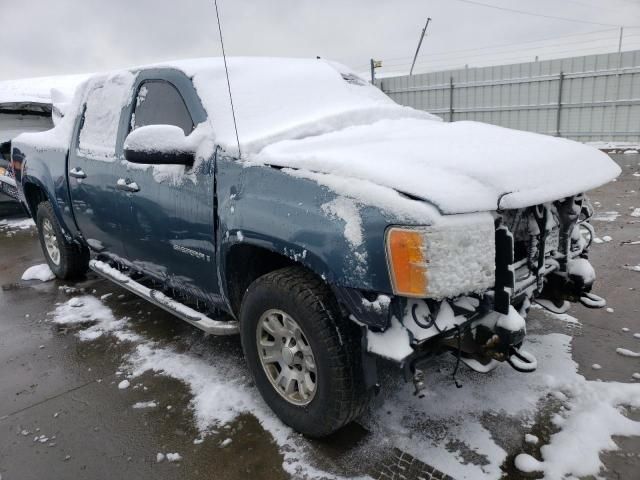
x,y
226,69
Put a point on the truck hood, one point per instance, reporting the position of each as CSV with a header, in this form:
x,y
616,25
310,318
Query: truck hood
x,y
460,167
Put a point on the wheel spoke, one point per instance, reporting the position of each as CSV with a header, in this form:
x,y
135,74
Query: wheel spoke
x,y
310,363
290,385
270,353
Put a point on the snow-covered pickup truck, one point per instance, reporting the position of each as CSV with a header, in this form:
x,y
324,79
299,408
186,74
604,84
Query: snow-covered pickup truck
x,y
331,228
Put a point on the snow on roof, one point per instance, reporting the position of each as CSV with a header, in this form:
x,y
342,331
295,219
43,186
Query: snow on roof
x,y
38,90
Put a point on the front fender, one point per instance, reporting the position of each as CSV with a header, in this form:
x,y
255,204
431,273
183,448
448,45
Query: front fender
x,y
334,236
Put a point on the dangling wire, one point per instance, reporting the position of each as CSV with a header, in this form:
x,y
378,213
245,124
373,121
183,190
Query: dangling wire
x,y
226,69
458,354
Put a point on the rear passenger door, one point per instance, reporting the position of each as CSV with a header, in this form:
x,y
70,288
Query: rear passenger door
x,y
170,230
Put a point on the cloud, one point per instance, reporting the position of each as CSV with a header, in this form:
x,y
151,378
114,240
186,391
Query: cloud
x,y
40,37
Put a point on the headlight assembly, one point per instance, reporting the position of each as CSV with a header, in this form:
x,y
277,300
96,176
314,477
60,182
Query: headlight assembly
x,y
442,261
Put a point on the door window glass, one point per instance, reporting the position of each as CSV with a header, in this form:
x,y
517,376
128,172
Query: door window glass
x,y
104,102
159,103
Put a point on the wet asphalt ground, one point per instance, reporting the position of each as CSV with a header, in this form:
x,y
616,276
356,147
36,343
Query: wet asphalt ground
x,y
54,385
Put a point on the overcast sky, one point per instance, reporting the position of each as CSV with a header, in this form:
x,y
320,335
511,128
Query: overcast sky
x,y
44,37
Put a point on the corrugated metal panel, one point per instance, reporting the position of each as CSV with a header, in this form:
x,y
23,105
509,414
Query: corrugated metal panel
x,y
600,95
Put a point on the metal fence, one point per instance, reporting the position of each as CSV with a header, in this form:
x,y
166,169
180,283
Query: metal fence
x,y
589,98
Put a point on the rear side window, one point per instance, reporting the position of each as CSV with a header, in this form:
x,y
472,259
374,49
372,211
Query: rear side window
x,y
159,103
106,97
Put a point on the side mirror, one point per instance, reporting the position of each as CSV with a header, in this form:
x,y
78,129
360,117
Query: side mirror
x,y
159,145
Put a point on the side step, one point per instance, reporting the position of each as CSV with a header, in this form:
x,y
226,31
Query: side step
x,y
189,315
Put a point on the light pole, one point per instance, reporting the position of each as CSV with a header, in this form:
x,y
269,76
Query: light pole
x,y
424,31
374,64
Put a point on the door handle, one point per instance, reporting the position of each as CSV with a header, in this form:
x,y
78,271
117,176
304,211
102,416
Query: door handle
x,y
77,173
125,186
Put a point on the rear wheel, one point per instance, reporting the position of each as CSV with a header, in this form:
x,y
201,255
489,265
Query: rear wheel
x,y
66,259
304,356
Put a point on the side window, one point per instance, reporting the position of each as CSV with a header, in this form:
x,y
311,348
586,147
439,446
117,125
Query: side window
x,y
159,103
106,96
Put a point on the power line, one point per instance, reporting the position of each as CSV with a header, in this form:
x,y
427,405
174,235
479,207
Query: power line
x,y
510,44
522,12
540,47
443,66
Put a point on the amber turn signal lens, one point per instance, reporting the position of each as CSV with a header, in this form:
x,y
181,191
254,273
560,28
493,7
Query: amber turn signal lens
x,y
407,262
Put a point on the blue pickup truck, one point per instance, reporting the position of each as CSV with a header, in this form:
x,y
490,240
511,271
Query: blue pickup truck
x,y
303,209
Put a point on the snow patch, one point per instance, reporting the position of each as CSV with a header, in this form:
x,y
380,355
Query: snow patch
x,y
627,353
348,211
40,272
150,404
124,384
532,439
89,309
12,224
605,216
379,304
393,343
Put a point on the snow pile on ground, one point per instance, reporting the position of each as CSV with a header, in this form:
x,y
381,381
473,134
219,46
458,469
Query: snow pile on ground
x,y
625,352
635,213
40,272
88,309
19,224
593,413
442,429
149,404
606,216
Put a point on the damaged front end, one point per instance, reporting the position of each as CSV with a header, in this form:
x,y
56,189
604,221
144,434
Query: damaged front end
x,y
541,255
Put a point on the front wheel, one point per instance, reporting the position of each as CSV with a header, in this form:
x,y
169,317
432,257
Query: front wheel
x,y
66,259
304,356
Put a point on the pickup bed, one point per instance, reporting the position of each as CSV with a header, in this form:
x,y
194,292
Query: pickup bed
x,y
327,225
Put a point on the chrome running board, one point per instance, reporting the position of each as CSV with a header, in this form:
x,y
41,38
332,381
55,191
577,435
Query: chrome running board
x,y
189,315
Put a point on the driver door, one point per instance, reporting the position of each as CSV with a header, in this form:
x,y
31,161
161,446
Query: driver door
x,y
170,227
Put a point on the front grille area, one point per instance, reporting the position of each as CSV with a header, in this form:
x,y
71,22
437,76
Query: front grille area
x,y
532,243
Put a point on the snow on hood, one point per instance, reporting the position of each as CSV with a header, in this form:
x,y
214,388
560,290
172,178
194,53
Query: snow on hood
x,y
460,167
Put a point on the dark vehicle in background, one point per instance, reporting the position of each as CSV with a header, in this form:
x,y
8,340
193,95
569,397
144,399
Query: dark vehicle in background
x,y
27,105
326,224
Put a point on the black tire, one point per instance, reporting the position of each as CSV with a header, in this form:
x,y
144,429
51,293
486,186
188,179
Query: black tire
x,y
340,395
73,260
